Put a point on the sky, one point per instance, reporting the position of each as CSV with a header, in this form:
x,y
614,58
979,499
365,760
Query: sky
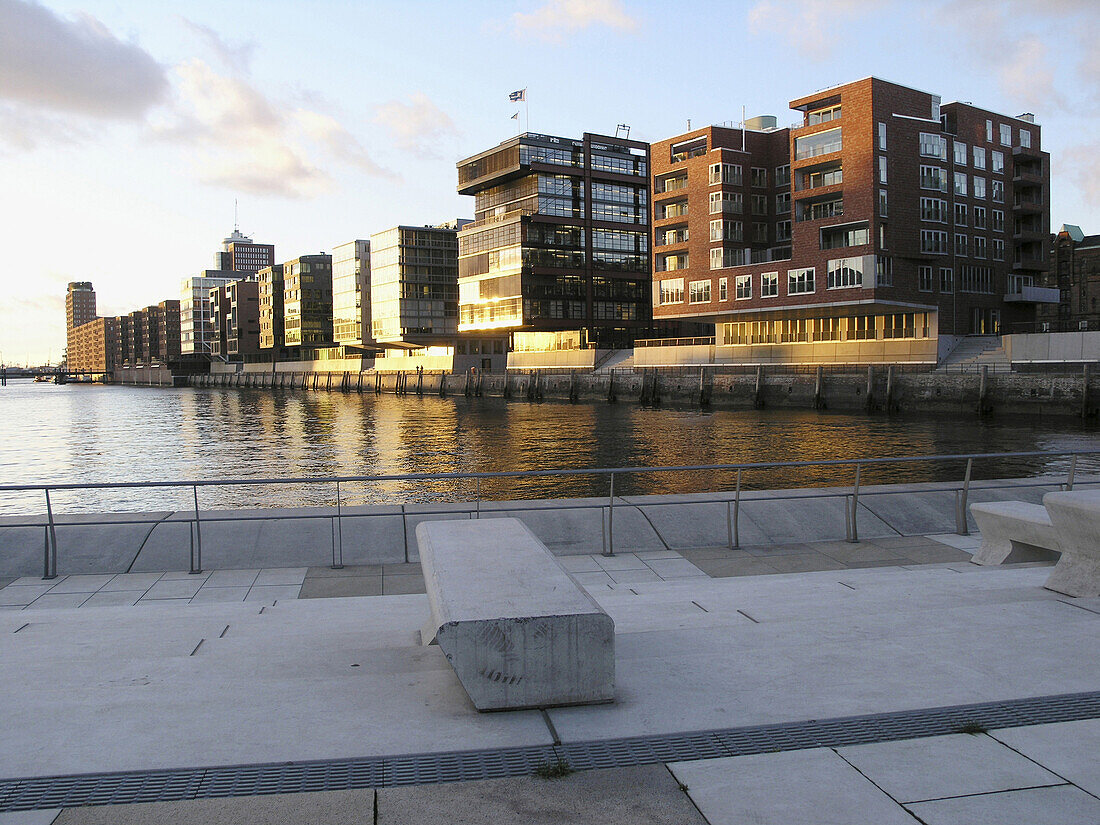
x,y
128,129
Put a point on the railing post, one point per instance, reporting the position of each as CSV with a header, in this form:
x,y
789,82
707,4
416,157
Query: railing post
x,y
1072,471
477,494
853,533
736,543
961,527
196,557
338,543
611,519
50,569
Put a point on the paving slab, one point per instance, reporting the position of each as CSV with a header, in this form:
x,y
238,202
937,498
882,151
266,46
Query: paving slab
x,y
1062,805
330,587
913,770
1069,749
281,575
620,561
113,598
23,594
596,579
220,594
402,585
272,592
234,578
633,576
59,600
673,568
328,572
618,796
579,564
721,568
132,581
81,584
45,817
808,787
803,563
175,588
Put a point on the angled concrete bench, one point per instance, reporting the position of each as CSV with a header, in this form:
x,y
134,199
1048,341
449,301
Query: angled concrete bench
x,y
1014,531
1076,517
518,631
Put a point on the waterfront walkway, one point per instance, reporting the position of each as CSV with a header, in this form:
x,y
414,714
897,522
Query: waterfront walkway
x,y
779,683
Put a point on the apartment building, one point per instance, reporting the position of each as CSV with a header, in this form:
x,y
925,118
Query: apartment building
x,y
351,313
560,241
1075,274
93,345
196,321
235,314
270,293
79,309
880,222
307,301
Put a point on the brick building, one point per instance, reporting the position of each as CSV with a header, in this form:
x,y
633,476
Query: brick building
x,y
1075,274
93,346
880,222
235,316
240,253
79,309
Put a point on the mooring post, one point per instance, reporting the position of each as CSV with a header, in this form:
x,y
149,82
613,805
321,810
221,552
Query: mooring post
x,y
983,390
890,388
961,527
870,399
758,397
338,535
819,401
1085,391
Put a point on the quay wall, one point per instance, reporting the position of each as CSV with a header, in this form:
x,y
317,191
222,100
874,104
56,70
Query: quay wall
x,y
385,534
875,390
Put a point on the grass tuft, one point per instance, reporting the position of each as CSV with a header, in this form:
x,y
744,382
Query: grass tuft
x,y
972,727
553,770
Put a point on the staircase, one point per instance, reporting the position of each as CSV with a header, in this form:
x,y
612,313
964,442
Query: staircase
x,y
620,359
974,352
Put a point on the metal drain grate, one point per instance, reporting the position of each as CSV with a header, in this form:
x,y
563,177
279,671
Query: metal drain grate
x,y
417,769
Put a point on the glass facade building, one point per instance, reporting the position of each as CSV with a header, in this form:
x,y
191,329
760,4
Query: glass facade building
x,y
351,314
307,301
196,324
414,284
271,307
560,239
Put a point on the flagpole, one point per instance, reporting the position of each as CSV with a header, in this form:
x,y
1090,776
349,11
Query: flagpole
x,y
526,110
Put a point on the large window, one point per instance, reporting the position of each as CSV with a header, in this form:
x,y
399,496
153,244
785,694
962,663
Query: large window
x,y
1025,138
882,204
882,136
783,175
672,291
933,146
960,160
979,187
759,204
769,284
933,177
960,245
721,230
821,143
979,157
979,246
823,115
960,214
726,202
723,289
947,281
960,184
997,187
835,237
1006,135
998,165
924,278
743,287
725,173
884,270
933,242
998,220
844,273
979,217
800,281
759,177
976,279
699,292
933,209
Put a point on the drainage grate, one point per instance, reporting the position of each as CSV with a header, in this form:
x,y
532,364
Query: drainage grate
x,y
417,769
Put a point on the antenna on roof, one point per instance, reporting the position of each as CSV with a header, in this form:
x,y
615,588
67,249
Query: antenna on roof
x,y
236,223
622,127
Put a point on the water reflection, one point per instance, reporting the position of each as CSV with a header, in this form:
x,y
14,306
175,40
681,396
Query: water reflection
x,y
103,434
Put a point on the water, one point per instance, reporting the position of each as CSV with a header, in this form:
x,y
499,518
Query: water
x,y
93,433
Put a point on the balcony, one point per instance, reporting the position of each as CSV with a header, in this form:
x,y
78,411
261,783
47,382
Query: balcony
x,y
1027,205
1027,152
1033,295
1024,175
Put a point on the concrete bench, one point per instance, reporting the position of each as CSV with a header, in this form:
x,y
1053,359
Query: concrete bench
x,y
518,631
1076,517
1014,531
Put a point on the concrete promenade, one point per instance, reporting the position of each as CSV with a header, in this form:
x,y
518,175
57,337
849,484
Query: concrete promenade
x,y
239,668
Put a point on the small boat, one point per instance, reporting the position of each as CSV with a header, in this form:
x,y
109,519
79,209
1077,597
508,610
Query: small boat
x,y
42,378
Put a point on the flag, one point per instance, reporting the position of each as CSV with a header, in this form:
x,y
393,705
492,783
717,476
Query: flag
x,y
515,116
518,95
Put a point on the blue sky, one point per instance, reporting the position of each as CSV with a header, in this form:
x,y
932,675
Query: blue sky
x,y
127,129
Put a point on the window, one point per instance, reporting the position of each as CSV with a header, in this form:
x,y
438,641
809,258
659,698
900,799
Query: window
x,y
882,136
844,273
947,281
725,173
721,230
823,116
979,246
723,289
672,184
979,157
835,237
725,202
758,177
998,220
782,231
960,184
998,249
998,165
699,292
933,146
960,160
821,143
672,291
716,257
960,214
882,207
672,262
1006,135
979,187
783,175
976,279
998,190
933,177
1025,138
979,217
800,281
933,209
782,203
759,204
884,270
960,245
821,177
924,278
933,242
759,233
769,284
688,149
989,131
743,287
882,169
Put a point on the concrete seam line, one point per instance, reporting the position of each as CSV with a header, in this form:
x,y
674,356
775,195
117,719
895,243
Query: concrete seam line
x,y
652,526
141,546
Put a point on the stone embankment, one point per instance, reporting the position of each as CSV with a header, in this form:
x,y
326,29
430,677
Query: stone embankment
x,y
873,390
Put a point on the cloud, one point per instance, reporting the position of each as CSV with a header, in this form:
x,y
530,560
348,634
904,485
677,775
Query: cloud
x,y
810,26
74,66
416,126
23,129
559,17
339,142
1081,165
237,58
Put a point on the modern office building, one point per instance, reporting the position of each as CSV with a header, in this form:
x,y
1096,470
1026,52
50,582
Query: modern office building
x,y
79,309
307,301
1075,274
879,223
351,313
240,253
414,285
560,241
270,292
196,325
235,316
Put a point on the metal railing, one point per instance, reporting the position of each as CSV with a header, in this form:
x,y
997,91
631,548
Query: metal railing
x,y
732,499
